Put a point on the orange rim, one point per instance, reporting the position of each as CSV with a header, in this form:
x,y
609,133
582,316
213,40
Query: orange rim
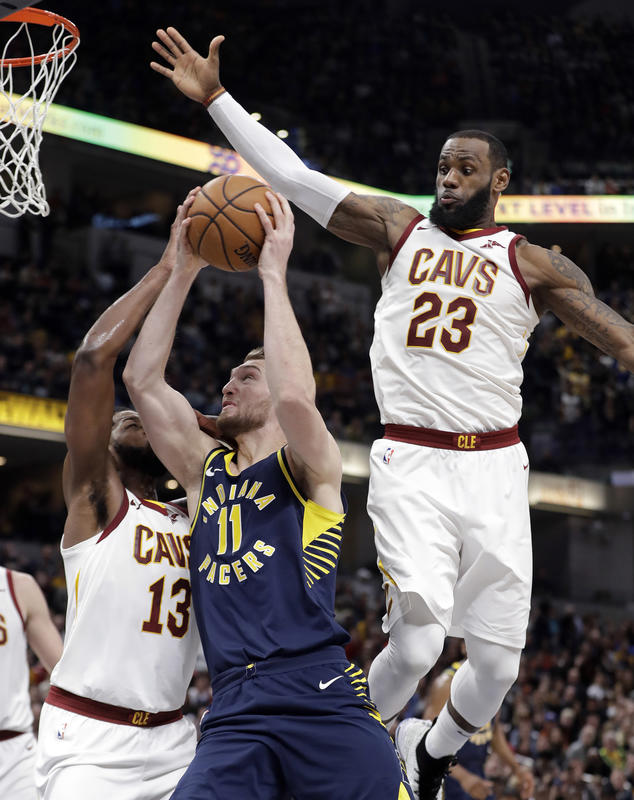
x,y
40,17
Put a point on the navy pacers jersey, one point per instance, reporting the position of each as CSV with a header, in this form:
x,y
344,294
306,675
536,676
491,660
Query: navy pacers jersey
x,y
263,564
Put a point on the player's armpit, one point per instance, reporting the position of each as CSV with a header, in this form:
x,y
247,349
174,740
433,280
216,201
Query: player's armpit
x,y
315,461
375,222
560,285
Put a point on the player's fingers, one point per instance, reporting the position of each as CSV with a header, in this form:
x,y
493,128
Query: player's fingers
x,y
179,40
161,69
163,52
278,214
169,43
264,218
286,207
191,196
183,237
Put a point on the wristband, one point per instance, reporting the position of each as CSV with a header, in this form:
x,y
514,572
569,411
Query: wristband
x,y
216,93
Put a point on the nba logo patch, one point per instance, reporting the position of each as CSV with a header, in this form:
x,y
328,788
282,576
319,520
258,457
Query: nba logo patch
x,y
387,456
61,731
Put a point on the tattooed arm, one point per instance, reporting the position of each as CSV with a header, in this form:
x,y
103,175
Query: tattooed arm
x,y
372,221
558,284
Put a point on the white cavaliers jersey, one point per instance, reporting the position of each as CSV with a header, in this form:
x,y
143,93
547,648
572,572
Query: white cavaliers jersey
x,y
451,330
131,639
15,703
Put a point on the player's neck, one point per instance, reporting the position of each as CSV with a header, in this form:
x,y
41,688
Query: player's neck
x,y
141,485
258,444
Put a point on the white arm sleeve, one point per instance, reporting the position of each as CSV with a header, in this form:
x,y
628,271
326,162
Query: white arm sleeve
x,y
316,194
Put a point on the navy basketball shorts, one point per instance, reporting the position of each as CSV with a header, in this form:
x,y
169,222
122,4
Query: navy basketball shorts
x,y
301,728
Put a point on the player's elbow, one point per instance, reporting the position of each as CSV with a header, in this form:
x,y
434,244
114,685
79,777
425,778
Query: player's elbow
x,y
136,379
92,357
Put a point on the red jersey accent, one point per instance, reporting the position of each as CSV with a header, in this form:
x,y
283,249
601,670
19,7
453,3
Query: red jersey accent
x,y
123,510
448,440
14,596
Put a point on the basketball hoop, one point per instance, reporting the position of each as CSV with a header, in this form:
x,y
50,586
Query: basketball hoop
x,y
22,113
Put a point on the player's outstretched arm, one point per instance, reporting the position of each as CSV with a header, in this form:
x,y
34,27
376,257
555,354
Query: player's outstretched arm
x,y
92,489
559,285
171,424
375,222
41,633
313,453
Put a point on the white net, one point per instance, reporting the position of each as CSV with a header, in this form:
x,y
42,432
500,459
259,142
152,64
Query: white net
x,y
26,92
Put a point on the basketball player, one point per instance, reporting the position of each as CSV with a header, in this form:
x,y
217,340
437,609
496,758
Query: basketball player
x,y
290,715
24,619
448,483
111,726
466,778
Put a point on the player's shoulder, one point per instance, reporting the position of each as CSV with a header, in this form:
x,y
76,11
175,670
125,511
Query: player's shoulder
x,y
26,590
529,251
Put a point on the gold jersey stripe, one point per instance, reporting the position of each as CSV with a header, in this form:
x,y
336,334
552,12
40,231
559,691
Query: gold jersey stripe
x,y
211,455
316,566
330,563
315,546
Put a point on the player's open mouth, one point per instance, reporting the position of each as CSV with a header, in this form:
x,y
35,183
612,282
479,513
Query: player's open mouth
x,y
448,200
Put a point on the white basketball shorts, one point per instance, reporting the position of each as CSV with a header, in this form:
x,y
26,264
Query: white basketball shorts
x,y
17,768
453,527
79,756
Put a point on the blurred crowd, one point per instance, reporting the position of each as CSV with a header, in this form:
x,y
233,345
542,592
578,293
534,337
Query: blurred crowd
x,y
375,85
569,717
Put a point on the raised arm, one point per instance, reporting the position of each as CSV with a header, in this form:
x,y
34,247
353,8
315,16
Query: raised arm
x,y
92,488
559,285
41,633
171,424
375,222
313,453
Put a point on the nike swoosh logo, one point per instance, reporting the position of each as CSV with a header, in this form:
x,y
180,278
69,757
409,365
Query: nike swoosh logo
x,y
325,685
525,466
211,472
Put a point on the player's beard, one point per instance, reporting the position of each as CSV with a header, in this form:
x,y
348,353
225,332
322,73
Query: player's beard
x,y
230,427
142,459
464,215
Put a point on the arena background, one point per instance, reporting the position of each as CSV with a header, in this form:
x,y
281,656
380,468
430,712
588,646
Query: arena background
x,y
367,92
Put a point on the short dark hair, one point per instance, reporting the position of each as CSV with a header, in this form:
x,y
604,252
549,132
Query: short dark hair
x,y
257,354
498,153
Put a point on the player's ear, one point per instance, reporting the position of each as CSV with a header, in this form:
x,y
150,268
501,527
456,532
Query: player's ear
x,y
501,179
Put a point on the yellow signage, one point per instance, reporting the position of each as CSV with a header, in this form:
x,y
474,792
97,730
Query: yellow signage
x,y
38,413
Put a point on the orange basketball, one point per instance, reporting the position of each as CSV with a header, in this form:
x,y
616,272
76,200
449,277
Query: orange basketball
x,y
225,228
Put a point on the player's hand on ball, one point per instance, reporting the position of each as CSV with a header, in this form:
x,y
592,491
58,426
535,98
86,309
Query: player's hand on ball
x,y
168,259
279,239
195,76
186,259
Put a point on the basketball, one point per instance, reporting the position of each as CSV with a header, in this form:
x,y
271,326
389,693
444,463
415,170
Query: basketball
x,y
225,229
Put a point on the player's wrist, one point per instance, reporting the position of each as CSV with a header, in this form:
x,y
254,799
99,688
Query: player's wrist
x,y
219,90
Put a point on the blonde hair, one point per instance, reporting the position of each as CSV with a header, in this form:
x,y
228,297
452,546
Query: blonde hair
x,y
257,354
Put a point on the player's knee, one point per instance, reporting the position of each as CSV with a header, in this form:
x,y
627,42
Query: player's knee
x,y
418,653
498,665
